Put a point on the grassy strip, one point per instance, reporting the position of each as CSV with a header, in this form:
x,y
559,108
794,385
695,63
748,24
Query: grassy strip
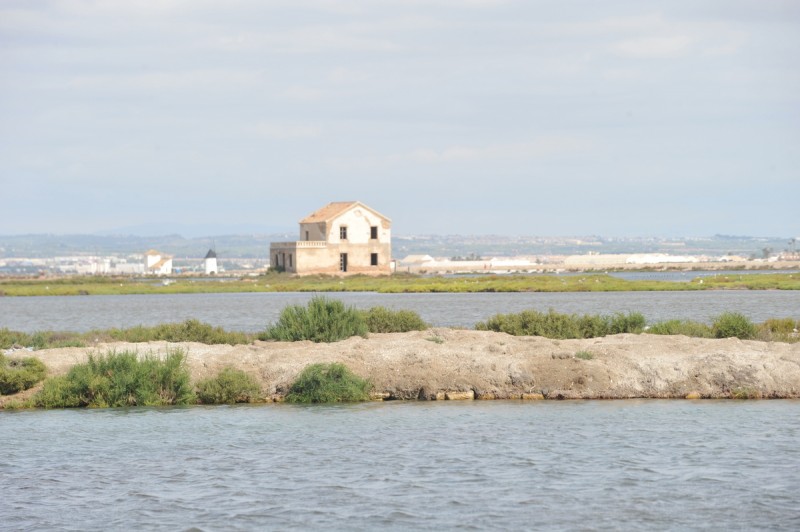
x,y
322,319
187,331
399,283
120,379
328,383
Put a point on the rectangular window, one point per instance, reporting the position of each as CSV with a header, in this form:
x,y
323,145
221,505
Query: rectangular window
x,y
373,232
343,232
306,236
290,260
373,259
343,262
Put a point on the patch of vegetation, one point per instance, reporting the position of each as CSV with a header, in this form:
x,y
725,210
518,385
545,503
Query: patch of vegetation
x,y
733,325
228,387
779,330
40,339
745,393
383,320
17,375
584,355
435,339
563,326
120,379
322,320
328,383
685,327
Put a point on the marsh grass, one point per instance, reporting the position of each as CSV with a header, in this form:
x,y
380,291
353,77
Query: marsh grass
x,y
563,326
584,355
328,383
681,327
188,331
120,379
229,386
321,320
17,375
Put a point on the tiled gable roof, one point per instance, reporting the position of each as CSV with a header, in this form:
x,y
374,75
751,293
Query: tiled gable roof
x,y
334,209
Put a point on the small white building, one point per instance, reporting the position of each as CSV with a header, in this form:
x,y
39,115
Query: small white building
x,y
210,263
156,263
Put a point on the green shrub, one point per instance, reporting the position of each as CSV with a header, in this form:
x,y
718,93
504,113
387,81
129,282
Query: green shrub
x,y
632,322
328,383
383,320
228,387
322,320
584,355
120,379
685,327
17,375
562,326
733,324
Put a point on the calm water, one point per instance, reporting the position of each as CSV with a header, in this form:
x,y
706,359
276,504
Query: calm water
x,y
251,312
621,465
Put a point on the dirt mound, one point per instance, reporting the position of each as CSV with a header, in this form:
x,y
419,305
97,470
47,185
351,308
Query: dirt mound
x,y
449,363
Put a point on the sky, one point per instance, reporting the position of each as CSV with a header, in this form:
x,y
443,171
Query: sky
x,y
576,117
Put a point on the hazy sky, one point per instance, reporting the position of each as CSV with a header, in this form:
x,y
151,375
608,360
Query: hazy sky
x,y
672,118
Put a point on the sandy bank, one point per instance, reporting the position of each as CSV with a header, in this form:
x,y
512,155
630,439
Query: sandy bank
x,y
447,363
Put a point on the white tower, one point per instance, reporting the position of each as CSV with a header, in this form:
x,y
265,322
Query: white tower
x,y
210,263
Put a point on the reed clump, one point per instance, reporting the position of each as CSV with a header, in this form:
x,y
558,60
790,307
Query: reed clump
x,y
555,325
322,320
120,379
328,383
17,375
229,386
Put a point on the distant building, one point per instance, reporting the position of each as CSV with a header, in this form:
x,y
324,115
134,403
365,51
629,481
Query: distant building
x,y
210,263
156,263
342,238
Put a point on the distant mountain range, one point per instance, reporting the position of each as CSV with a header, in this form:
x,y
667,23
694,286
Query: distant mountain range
x,y
256,245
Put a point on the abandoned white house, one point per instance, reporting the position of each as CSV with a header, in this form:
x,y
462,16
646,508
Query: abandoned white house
x,y
344,237
156,263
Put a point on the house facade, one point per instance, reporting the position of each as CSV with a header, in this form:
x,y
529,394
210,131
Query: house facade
x,y
341,238
156,263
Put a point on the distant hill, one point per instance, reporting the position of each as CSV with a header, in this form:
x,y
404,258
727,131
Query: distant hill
x,y
256,245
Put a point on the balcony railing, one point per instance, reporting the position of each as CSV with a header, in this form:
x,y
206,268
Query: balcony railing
x,y
300,244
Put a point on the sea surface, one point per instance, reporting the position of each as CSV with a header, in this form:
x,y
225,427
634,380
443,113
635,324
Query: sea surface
x,y
251,312
494,465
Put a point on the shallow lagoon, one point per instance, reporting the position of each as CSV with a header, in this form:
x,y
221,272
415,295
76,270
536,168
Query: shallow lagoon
x,y
479,465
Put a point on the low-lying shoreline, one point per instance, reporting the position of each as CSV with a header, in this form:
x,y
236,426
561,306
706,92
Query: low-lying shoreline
x,y
442,364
